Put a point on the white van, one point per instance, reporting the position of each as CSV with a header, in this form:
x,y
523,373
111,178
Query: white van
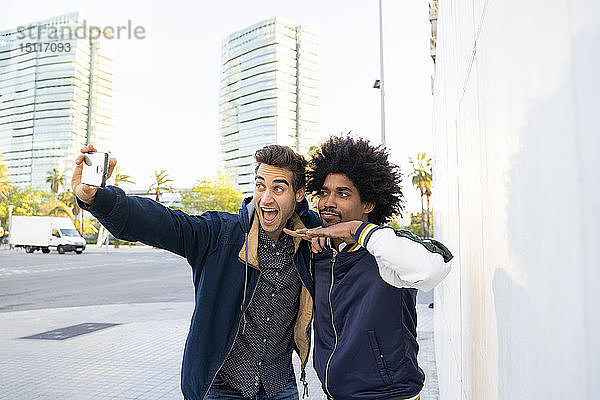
x,y
45,234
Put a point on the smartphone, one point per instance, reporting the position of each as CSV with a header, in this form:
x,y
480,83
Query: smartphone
x,y
95,166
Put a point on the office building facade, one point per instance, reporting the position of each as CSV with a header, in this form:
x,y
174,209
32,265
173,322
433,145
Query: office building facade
x,y
56,89
269,94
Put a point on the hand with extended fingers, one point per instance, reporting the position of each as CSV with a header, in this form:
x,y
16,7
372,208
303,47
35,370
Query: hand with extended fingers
x,y
344,231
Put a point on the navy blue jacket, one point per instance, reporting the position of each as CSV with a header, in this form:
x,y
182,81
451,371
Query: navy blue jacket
x,y
365,328
222,251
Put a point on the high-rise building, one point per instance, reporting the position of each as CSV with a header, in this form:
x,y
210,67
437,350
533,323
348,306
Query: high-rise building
x,y
269,94
56,88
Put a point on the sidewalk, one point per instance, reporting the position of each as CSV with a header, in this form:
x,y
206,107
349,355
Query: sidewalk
x,y
138,359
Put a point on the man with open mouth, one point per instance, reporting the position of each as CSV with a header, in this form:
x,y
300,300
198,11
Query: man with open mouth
x,y
252,281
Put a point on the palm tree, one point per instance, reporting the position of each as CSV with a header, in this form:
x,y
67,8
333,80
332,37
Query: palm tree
x,y
122,178
429,216
68,198
161,183
5,183
57,209
55,179
421,179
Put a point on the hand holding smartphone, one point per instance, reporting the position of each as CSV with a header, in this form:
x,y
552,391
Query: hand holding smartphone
x,y
92,170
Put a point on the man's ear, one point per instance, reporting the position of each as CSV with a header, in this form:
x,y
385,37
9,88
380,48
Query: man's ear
x,y
368,207
300,194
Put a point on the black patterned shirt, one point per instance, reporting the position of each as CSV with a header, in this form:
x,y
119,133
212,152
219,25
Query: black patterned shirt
x,y
262,352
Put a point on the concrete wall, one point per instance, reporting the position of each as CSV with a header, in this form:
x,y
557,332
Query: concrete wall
x,y
517,186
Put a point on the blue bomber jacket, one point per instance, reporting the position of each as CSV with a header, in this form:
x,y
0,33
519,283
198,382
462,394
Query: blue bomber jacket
x,y
365,313
222,249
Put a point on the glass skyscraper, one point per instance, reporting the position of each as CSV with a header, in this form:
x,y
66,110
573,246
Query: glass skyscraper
x,y
269,94
56,88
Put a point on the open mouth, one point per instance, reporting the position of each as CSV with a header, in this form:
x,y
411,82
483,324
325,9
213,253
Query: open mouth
x,y
269,215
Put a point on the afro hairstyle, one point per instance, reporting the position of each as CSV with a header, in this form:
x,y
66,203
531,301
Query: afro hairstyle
x,y
367,166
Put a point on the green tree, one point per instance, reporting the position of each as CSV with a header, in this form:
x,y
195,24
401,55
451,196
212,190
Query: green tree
x,y
421,178
68,198
161,183
5,183
55,179
120,179
415,224
395,224
428,214
218,194
25,202
57,209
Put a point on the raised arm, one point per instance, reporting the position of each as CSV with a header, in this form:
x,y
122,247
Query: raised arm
x,y
140,219
404,260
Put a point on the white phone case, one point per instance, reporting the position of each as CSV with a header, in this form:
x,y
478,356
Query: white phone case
x,y
95,167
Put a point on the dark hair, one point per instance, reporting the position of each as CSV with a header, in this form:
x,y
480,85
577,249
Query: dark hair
x,y
367,166
283,157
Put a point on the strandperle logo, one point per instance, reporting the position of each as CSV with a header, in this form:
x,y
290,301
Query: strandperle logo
x,y
82,31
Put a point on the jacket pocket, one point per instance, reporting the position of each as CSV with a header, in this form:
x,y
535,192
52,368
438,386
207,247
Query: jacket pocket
x,y
379,358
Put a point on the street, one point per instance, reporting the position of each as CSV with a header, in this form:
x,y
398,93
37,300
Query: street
x,y
134,305
119,276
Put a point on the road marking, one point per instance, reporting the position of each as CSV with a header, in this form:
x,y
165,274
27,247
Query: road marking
x,y
29,270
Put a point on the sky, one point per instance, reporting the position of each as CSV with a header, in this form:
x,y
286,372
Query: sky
x,y
167,84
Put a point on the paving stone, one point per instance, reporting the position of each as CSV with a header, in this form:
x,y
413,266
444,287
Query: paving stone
x,y
138,359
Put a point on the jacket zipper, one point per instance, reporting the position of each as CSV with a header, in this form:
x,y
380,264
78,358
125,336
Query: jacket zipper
x,y
303,362
332,324
234,339
308,337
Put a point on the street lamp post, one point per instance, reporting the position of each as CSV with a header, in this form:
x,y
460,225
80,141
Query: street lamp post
x,y
381,81
10,211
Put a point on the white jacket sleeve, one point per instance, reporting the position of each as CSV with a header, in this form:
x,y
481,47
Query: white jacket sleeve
x,y
405,260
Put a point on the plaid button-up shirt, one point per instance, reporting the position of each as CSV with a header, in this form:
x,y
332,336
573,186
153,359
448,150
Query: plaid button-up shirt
x,y
262,354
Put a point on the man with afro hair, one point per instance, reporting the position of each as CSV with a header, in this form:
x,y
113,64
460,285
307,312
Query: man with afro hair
x,y
366,275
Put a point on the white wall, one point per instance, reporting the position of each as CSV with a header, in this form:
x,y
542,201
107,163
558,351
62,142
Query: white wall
x,y
516,127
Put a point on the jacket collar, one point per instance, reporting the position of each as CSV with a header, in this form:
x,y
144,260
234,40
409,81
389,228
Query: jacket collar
x,y
246,213
349,248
